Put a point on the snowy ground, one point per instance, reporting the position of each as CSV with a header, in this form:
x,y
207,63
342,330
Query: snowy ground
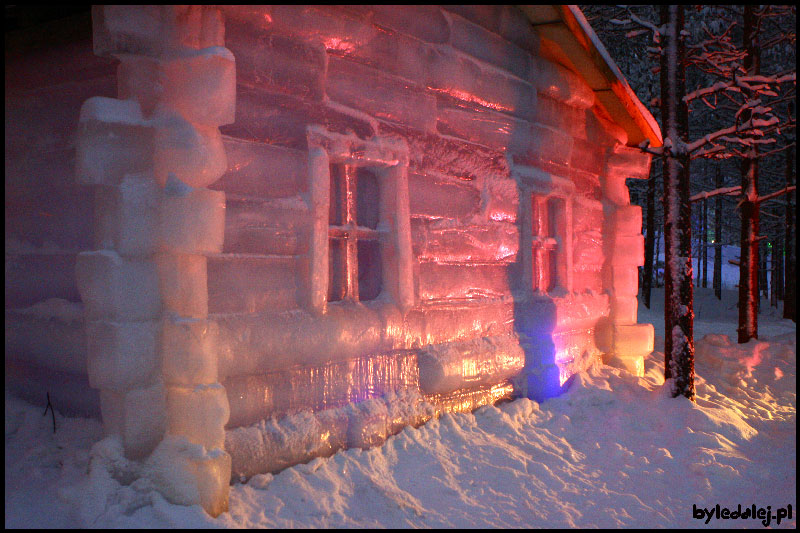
x,y
614,451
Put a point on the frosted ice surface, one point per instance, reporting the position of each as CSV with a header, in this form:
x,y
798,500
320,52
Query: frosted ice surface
x,y
113,140
484,361
198,413
121,355
193,152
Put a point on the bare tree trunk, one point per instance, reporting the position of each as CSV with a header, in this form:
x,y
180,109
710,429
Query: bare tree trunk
x,y
773,263
704,241
647,279
779,257
790,292
748,259
678,290
718,238
658,253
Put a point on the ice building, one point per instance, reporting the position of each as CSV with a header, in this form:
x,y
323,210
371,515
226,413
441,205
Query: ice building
x,y
246,236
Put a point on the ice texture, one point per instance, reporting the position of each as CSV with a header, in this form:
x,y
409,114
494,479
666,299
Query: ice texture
x,y
113,287
627,220
332,385
462,243
113,140
627,250
126,215
624,309
188,474
628,162
633,339
614,190
201,86
191,220
137,416
121,355
182,281
198,413
623,280
267,226
252,283
188,350
485,361
155,30
262,170
193,152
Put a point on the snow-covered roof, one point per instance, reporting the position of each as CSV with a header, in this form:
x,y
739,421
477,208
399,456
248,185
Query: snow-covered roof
x,y
568,39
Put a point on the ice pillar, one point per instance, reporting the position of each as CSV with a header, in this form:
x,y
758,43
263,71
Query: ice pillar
x,y
624,342
149,156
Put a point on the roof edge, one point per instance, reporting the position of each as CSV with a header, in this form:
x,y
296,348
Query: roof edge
x,y
566,27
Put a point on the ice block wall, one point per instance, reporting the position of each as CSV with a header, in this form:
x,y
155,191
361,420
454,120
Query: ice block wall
x,y
148,156
481,110
50,70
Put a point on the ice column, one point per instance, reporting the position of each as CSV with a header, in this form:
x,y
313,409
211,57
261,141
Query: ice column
x,y
149,155
623,340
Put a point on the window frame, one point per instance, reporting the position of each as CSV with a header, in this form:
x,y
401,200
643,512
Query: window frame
x,y
538,186
387,159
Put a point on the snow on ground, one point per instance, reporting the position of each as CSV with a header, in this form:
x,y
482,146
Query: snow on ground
x,y
614,451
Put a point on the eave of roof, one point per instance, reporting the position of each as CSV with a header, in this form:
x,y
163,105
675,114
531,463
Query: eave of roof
x,y
568,39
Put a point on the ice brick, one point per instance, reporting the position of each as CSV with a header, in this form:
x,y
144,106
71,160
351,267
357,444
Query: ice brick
x,y
188,351
474,40
271,227
193,152
324,386
557,82
182,281
446,281
479,125
624,309
122,356
188,474
192,220
263,170
127,215
633,364
626,162
201,86
198,413
379,95
442,198
155,30
113,140
455,75
423,22
117,288
252,283
627,250
484,361
272,445
495,242
627,220
615,190
138,416
623,280
277,62
544,143
586,156
633,340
